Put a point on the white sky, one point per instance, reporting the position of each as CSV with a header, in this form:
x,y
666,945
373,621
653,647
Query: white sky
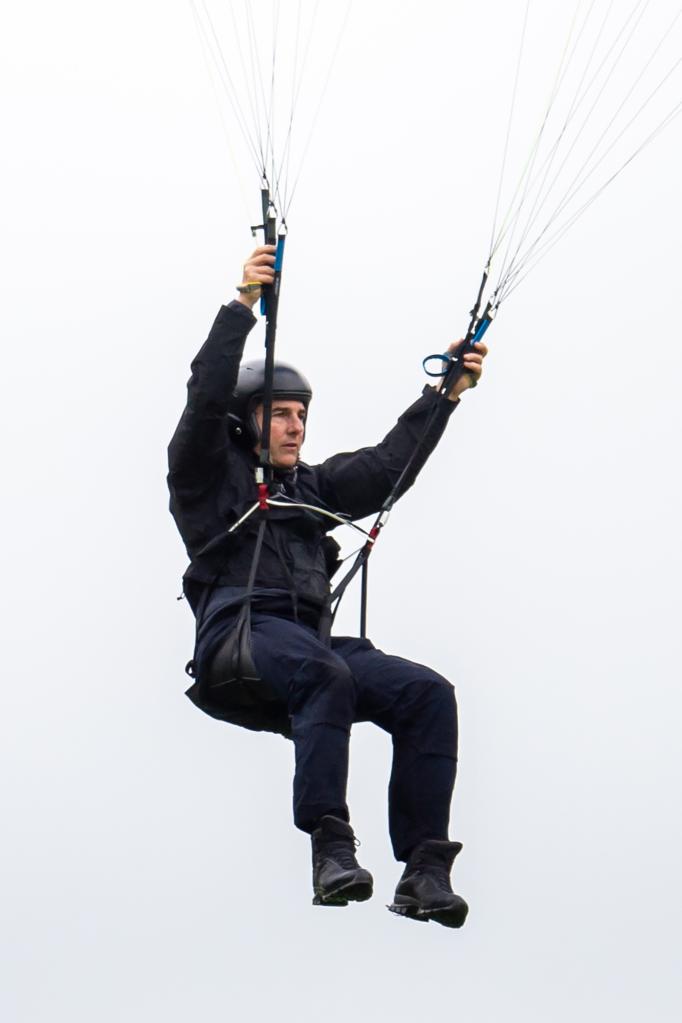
x,y
149,866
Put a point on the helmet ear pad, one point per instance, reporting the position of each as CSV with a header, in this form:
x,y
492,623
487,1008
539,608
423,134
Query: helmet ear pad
x,y
237,428
246,432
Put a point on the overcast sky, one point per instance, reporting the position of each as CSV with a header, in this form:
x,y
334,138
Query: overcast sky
x,y
150,870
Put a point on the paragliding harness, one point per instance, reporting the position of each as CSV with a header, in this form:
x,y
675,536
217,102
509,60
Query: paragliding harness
x,y
232,671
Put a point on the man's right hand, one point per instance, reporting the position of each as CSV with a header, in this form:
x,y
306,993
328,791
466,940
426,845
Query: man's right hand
x,y
258,270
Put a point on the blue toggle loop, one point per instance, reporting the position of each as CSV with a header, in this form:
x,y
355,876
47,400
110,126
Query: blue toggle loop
x,y
444,361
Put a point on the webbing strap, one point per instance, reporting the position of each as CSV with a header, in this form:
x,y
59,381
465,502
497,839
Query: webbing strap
x,y
269,303
255,561
359,563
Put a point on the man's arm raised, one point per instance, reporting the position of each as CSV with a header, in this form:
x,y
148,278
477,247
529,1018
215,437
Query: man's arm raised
x,y
357,483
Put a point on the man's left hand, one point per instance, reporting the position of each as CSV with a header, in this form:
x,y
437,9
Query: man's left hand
x,y
473,365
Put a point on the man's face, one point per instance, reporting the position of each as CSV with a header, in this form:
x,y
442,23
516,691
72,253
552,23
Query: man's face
x,y
287,431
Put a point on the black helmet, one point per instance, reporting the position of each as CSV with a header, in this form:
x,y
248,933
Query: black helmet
x,y
288,383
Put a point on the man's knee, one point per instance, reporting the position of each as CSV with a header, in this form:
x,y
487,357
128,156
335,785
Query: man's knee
x,y
440,692
428,716
429,689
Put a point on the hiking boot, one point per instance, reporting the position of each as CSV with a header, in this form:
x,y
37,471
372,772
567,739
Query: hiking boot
x,y
338,878
424,891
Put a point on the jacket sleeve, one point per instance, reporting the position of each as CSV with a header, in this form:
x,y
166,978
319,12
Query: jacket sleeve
x,y
199,450
358,483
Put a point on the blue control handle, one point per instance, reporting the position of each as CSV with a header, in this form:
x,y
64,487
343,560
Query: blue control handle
x,y
439,364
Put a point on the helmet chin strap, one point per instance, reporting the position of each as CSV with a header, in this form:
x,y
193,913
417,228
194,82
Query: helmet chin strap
x,y
255,430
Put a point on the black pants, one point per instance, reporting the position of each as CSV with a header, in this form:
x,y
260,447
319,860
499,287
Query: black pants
x,y
326,690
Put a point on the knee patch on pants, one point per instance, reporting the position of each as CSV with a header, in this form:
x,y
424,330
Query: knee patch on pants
x,y
323,691
428,721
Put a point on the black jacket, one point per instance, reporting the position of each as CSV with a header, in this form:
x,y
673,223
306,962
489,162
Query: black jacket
x,y
211,481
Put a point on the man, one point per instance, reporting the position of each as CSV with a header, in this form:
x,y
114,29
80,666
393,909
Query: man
x,y
259,586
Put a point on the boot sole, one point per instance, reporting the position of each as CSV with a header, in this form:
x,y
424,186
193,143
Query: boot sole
x,y
359,892
447,916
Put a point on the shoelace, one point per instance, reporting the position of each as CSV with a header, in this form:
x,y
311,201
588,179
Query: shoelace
x,y
442,879
343,854
440,875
